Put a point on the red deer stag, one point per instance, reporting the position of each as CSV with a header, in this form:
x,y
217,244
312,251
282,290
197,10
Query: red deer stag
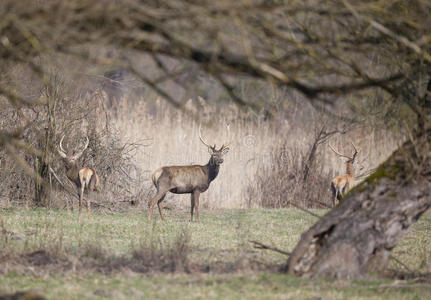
x,y
340,185
194,179
82,177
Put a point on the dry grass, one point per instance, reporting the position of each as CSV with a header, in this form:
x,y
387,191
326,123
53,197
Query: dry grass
x,y
54,242
258,147
155,135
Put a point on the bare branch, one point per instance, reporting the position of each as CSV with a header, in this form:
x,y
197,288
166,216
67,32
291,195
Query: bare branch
x,y
259,245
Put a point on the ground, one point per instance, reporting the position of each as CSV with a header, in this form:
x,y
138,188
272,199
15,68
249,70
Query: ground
x,y
123,256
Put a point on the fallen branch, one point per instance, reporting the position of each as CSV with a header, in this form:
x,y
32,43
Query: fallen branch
x,y
56,177
259,245
305,210
366,173
101,205
401,263
323,204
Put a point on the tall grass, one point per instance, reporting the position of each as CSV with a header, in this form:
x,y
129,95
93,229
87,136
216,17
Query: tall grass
x,y
266,156
142,133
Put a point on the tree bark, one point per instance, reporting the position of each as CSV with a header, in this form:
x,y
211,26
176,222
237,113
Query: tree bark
x,y
42,191
357,237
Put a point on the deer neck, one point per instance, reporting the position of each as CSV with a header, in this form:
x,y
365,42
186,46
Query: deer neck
x,y
349,169
212,169
72,171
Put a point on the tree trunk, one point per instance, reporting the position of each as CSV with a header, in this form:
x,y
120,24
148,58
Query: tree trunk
x,y
357,236
41,167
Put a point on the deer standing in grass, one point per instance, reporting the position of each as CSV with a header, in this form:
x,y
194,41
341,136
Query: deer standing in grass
x,y
194,179
82,177
340,185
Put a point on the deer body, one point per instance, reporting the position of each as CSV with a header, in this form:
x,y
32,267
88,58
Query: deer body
x,y
188,178
340,185
194,180
82,177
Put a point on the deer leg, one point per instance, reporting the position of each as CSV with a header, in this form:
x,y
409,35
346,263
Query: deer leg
x,y
335,200
192,205
159,206
81,194
153,202
88,204
196,195
343,190
346,188
334,194
86,183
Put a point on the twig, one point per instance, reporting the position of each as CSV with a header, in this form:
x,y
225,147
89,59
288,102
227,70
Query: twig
x,y
56,177
401,263
259,245
305,210
386,31
101,205
323,204
366,173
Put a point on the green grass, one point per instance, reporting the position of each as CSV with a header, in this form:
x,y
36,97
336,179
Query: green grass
x,y
231,286
96,258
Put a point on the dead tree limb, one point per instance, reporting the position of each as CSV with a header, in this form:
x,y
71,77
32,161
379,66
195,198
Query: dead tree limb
x,y
259,245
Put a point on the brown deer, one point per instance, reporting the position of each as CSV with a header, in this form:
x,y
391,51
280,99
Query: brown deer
x,y
82,177
340,185
194,179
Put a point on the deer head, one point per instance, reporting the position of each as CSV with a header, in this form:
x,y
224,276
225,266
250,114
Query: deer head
x,y
71,158
350,159
216,155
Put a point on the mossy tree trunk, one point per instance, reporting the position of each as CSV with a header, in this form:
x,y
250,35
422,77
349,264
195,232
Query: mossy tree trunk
x,y
357,237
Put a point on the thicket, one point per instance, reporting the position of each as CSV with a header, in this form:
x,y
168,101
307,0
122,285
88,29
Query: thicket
x,y
74,108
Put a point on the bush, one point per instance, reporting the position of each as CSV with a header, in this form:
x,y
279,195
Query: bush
x,y
283,182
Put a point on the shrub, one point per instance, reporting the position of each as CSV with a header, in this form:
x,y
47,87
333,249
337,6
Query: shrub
x,y
282,183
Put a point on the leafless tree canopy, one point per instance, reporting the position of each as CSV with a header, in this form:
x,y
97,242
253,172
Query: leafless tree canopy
x,y
317,47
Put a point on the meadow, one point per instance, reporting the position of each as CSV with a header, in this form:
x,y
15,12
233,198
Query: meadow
x,y
121,255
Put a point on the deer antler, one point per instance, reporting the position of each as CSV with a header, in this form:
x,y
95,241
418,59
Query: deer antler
x,y
229,136
78,155
61,150
61,143
354,147
356,150
338,153
202,140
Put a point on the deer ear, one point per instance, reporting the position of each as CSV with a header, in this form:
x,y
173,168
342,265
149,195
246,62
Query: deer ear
x,y
210,150
225,150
